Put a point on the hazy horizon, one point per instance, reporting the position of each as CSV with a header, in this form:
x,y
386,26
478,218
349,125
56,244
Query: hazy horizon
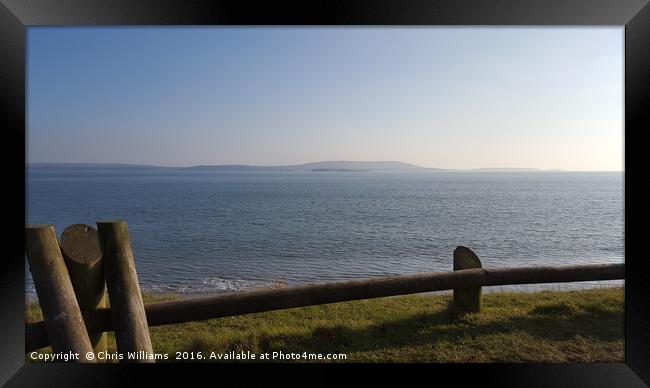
x,y
314,161
436,97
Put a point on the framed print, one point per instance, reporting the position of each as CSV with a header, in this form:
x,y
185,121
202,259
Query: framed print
x,y
251,190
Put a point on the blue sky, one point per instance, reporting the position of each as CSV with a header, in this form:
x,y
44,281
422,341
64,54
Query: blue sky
x,y
438,97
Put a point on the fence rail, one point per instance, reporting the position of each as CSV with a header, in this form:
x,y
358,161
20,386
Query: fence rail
x,y
201,308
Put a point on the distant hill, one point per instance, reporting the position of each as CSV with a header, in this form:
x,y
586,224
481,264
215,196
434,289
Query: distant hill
x,y
324,166
237,167
335,170
505,169
338,165
356,165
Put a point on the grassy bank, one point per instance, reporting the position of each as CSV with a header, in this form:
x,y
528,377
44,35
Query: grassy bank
x,y
569,326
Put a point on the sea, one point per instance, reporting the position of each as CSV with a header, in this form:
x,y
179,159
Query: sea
x,y
204,231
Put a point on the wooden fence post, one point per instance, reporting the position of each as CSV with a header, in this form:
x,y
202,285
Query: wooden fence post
x,y
63,320
83,255
127,308
467,300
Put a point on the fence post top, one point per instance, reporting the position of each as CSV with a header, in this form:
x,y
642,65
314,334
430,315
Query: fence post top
x,y
465,258
81,243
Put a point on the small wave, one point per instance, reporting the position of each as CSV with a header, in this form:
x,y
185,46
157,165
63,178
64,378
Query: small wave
x,y
210,285
238,284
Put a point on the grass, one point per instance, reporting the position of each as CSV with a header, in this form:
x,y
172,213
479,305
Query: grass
x,y
546,326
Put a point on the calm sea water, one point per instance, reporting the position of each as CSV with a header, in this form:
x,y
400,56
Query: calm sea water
x,y
201,231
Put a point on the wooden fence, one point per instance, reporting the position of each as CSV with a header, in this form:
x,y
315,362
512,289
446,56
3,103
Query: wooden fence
x,y
131,322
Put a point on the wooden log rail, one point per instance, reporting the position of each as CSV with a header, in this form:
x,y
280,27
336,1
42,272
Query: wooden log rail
x,y
225,305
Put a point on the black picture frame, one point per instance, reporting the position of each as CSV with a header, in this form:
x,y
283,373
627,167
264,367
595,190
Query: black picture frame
x,y
17,15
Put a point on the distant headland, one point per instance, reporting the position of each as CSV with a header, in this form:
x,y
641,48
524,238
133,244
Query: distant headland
x,y
322,166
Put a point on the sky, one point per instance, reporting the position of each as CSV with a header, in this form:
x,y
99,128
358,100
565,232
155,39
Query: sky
x,y
443,97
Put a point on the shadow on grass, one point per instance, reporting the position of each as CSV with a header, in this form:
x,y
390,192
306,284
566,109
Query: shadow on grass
x,y
557,322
